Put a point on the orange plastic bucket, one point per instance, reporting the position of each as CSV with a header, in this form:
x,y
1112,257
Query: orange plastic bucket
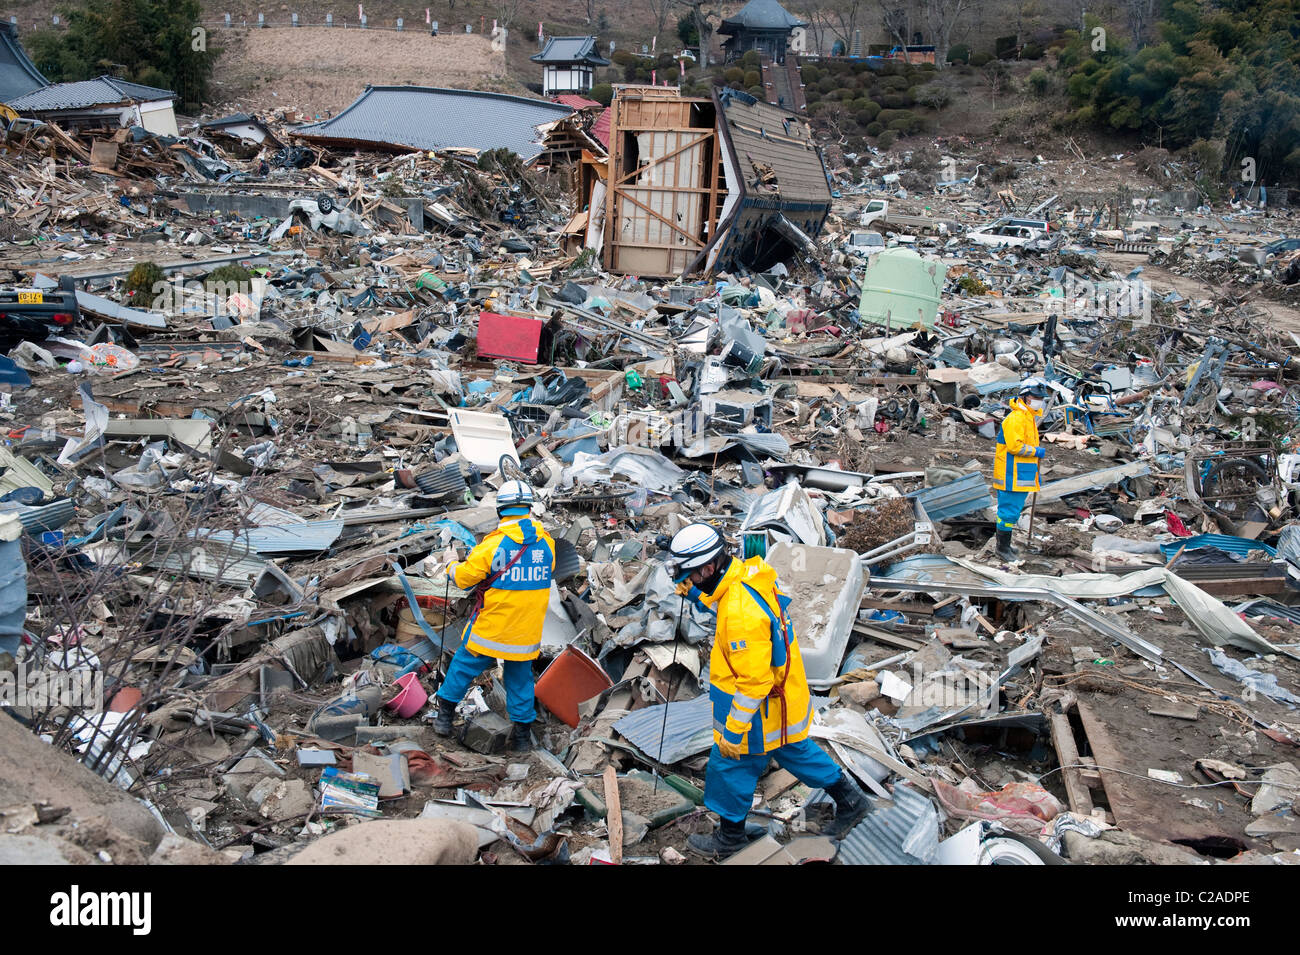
x,y
572,677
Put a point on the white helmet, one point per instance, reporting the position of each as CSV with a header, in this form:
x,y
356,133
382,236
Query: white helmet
x,y
515,495
692,547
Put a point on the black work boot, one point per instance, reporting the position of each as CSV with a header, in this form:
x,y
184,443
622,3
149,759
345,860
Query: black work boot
x,y
851,807
728,838
1004,548
521,738
446,713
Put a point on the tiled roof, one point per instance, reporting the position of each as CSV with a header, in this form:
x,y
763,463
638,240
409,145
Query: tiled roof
x,y
423,117
570,49
761,15
18,75
103,91
573,101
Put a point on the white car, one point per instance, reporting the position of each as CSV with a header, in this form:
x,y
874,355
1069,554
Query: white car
x,y
1011,232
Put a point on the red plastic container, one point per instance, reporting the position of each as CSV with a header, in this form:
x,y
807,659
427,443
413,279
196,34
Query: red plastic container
x,y
572,677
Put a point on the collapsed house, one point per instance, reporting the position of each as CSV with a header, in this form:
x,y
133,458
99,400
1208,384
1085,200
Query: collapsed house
x,y
405,118
105,99
720,184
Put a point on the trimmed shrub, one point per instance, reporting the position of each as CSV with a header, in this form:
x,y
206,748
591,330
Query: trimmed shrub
x,y
734,74
810,74
1038,81
959,54
751,60
141,280
863,118
875,129
228,275
753,77
602,93
905,127
887,139
1031,51
980,59
893,82
896,100
623,58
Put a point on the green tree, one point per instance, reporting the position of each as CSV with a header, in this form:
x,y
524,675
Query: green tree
x,y
1224,72
148,41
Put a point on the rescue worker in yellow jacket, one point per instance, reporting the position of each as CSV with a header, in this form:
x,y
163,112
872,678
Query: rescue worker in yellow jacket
x,y
762,707
511,573
1016,461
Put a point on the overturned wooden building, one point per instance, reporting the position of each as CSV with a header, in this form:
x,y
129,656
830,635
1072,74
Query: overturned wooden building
x,y
691,184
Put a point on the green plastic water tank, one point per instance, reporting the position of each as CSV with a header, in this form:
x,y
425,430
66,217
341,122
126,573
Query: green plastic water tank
x,y
901,289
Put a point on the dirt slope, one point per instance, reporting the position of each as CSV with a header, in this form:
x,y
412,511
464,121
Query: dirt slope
x,y
318,69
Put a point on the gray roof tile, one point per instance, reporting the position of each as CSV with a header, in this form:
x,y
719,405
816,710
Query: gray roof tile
x,y
570,49
102,91
18,75
423,117
761,15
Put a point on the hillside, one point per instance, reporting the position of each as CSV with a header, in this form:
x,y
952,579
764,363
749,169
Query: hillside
x,y
322,70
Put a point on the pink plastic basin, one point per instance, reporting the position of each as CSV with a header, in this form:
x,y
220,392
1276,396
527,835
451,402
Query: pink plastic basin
x,y
412,698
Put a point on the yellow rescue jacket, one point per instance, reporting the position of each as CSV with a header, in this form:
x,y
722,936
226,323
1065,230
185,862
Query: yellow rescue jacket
x,y
757,682
512,566
1015,461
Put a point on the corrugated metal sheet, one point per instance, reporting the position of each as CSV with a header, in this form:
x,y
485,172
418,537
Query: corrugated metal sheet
x,y
905,834
423,117
1237,546
689,729
98,305
573,101
101,91
47,517
19,472
230,564
954,357
307,537
967,494
600,128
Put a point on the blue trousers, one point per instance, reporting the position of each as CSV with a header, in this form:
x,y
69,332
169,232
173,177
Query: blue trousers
x,y
1010,504
729,783
467,664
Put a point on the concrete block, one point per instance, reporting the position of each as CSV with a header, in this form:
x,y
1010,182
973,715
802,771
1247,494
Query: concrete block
x,y
250,770
486,733
281,798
